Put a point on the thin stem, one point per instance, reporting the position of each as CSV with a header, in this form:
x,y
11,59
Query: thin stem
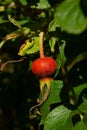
x,y
9,37
14,22
45,94
10,61
79,58
32,108
44,97
41,45
2,43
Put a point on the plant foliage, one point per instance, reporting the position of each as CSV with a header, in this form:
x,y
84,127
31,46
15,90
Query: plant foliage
x,y
64,24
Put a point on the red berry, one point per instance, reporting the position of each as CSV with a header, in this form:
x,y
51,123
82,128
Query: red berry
x,y
44,67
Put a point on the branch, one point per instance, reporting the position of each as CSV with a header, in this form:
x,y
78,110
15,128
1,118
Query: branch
x,y
10,62
79,58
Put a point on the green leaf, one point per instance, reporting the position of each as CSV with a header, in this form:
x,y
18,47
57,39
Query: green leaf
x,y
24,21
2,20
52,25
5,2
58,67
56,86
58,119
35,47
79,89
43,4
54,97
23,2
79,126
29,47
69,16
85,119
52,43
83,106
62,56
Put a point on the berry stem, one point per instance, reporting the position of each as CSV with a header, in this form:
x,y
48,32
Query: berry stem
x,y
41,44
44,95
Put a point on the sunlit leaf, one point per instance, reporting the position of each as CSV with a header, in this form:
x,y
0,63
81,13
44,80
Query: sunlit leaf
x,y
43,4
58,119
2,8
29,47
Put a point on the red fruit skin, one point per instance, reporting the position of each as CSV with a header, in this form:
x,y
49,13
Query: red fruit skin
x,y
44,67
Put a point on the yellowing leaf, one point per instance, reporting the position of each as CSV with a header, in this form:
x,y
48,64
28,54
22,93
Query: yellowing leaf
x,y
29,47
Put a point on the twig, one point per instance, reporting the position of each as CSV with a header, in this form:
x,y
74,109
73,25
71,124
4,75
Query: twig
x,y
79,58
10,62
